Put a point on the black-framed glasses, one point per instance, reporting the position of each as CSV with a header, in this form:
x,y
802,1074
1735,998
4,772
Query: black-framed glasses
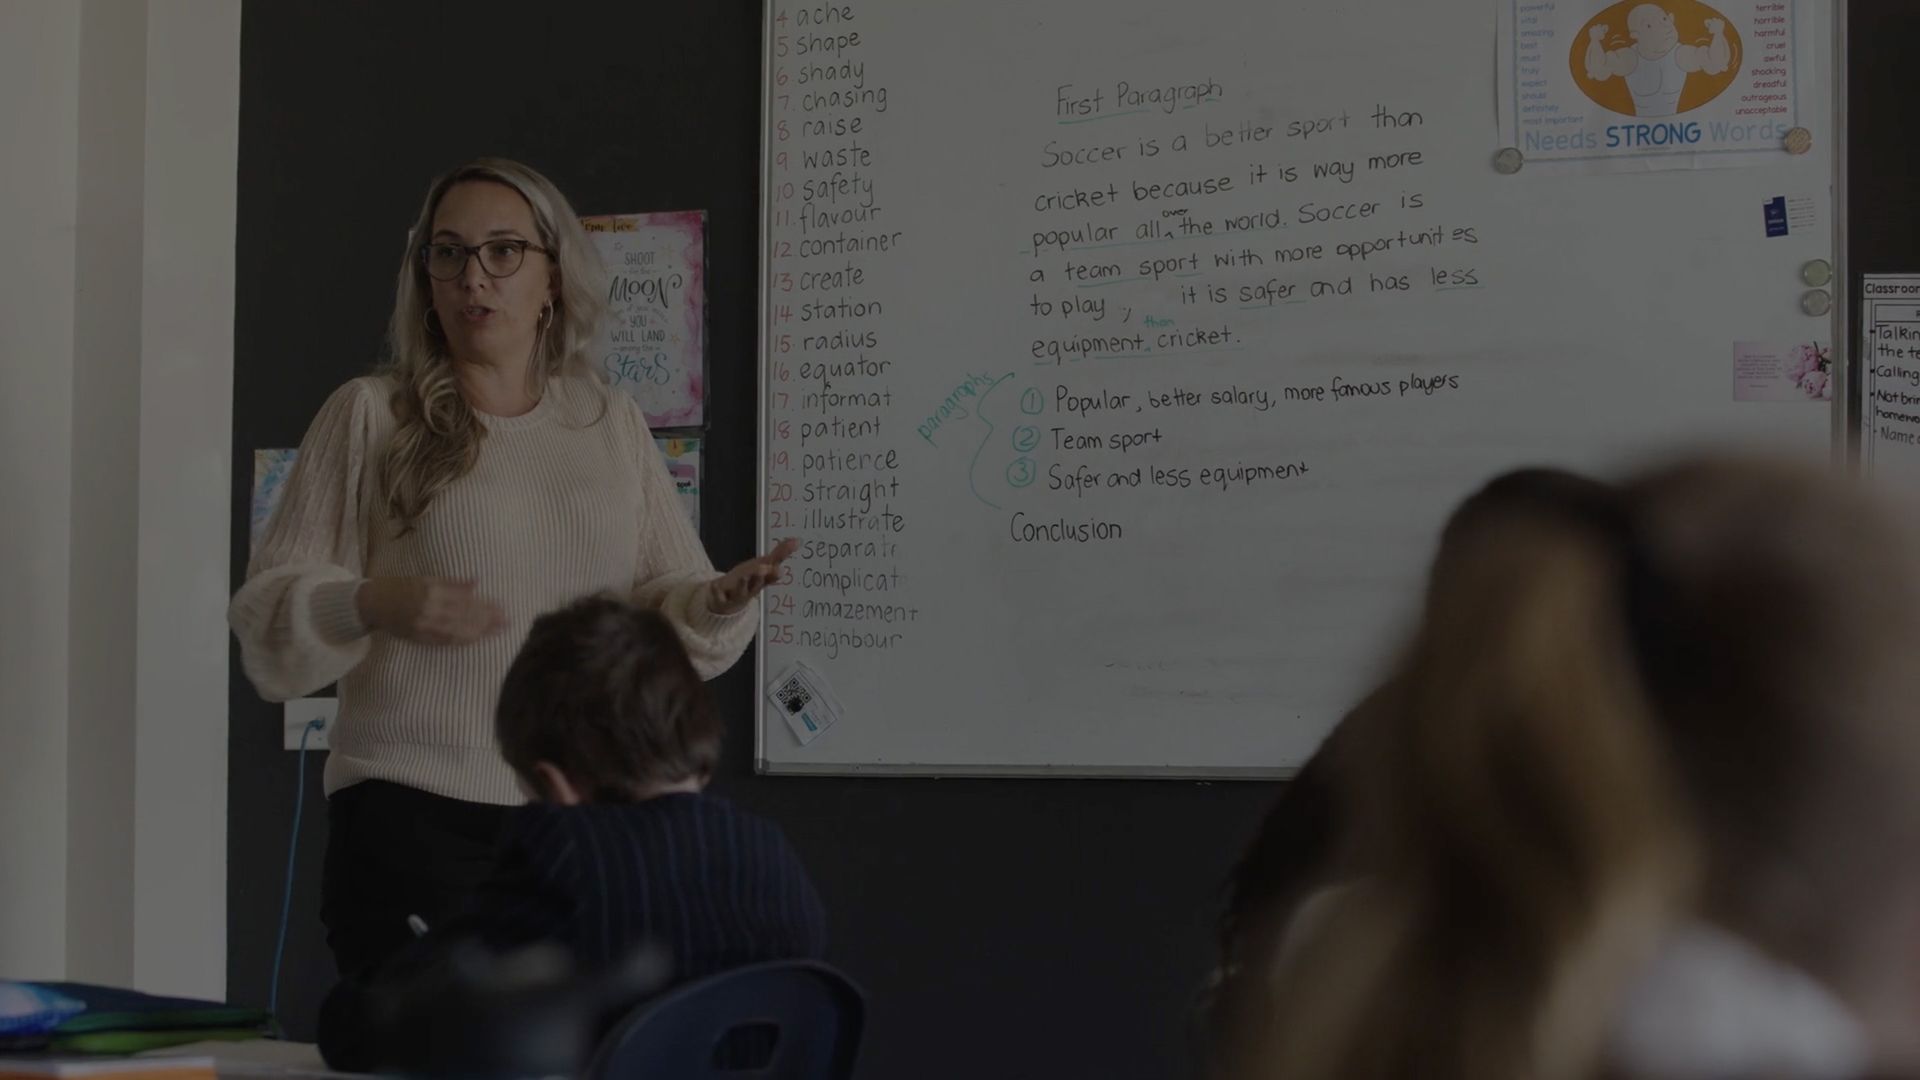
x,y
446,261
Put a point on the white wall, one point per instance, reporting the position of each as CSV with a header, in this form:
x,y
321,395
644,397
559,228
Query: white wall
x,y
186,501
106,454
116,363
39,124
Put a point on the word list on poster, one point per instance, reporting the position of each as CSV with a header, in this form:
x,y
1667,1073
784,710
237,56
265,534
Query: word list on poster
x,y
834,479
1535,48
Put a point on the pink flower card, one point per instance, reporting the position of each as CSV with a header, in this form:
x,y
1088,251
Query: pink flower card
x,y
1799,372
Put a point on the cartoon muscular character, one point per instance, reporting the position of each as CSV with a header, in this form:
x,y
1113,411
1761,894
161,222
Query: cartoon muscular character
x,y
1656,66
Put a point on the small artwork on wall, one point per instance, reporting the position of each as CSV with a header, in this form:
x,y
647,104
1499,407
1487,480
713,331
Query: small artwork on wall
x,y
654,342
683,463
270,469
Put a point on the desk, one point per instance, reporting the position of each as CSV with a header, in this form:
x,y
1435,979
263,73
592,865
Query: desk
x,y
256,1059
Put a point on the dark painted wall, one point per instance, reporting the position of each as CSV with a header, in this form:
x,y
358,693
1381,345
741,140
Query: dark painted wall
x,y
1005,929
1883,146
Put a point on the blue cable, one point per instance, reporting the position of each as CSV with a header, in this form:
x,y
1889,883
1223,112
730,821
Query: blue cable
x,y
293,847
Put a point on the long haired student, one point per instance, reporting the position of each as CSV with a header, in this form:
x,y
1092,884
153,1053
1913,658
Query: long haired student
x,y
1648,805
1296,854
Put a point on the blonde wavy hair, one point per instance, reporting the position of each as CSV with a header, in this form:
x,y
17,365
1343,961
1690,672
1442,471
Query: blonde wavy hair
x,y
1694,704
437,435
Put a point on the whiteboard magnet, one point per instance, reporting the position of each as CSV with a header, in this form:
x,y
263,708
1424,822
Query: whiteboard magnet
x,y
1798,141
1816,302
1817,272
1508,161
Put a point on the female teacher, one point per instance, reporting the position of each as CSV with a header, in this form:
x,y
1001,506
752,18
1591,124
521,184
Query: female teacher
x,y
486,476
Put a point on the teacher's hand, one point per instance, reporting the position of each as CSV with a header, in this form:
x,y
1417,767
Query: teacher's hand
x,y
736,589
428,611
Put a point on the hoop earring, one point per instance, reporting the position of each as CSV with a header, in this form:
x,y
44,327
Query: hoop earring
x,y
540,339
430,322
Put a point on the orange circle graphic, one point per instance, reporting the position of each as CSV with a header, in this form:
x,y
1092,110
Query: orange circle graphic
x,y
1651,48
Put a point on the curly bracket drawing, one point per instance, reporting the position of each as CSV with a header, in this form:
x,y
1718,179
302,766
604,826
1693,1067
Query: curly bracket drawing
x,y
980,410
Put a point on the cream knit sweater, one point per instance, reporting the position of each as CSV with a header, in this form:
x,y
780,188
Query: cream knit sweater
x,y
559,505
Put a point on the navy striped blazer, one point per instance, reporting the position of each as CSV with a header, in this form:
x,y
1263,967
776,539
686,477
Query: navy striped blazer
x,y
712,885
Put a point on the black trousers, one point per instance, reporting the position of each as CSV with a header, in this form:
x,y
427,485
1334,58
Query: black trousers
x,y
394,851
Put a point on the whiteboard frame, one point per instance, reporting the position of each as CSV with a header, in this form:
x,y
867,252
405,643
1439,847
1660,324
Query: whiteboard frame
x,y
763,391
1845,446
1846,357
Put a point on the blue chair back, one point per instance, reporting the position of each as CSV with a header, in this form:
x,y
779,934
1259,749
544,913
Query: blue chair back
x,y
787,1020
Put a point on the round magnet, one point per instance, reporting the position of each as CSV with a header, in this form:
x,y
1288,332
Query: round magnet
x,y
1816,302
1798,141
1817,272
1508,161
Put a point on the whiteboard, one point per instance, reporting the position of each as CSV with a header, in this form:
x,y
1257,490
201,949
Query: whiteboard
x,y
1086,489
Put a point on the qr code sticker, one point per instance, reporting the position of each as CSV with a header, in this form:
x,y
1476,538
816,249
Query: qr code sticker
x,y
794,695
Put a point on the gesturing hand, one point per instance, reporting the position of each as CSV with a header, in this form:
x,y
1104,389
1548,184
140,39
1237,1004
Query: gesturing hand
x,y
428,611
737,588
1598,33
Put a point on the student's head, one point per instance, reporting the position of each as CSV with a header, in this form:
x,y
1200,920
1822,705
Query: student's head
x,y
1297,845
1300,845
1533,490
1692,699
603,704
